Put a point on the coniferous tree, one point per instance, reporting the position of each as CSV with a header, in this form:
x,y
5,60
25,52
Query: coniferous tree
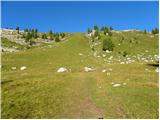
x,y
26,30
17,29
89,30
111,28
96,28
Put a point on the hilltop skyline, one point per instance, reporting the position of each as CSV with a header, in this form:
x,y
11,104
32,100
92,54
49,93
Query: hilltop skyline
x,y
78,16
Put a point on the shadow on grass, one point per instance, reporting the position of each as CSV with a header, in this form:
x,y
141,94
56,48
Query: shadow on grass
x,y
5,81
154,64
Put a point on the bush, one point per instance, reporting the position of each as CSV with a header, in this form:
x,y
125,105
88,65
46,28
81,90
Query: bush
x,y
44,36
57,39
155,31
125,53
104,29
96,33
32,42
110,34
62,35
108,44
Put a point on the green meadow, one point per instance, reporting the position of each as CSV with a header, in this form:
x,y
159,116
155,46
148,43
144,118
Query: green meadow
x,y
40,91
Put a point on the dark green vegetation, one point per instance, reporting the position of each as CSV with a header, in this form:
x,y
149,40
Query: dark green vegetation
x,y
41,92
31,35
155,31
107,44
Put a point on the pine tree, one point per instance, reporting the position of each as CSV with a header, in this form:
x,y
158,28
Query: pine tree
x,y
96,28
89,30
111,28
17,29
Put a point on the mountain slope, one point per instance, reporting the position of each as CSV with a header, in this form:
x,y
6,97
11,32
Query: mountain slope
x,y
41,92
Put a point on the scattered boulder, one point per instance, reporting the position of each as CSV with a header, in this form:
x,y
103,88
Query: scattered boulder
x,y
103,55
61,69
122,63
23,68
88,69
146,69
157,70
104,70
116,85
14,68
107,51
124,83
110,57
80,54
112,83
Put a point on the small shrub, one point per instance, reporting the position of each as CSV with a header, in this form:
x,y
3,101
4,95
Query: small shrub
x,y
110,34
44,36
96,33
32,42
155,31
125,53
28,47
57,39
145,31
108,44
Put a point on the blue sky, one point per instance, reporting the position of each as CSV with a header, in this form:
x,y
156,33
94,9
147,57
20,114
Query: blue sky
x,y
78,16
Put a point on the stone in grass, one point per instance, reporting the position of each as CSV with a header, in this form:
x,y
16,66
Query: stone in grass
x,y
14,68
23,68
110,58
107,51
61,69
124,83
104,70
88,69
112,83
103,55
80,54
116,85
157,70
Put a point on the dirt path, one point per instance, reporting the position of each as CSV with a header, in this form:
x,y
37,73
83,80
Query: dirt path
x,y
83,105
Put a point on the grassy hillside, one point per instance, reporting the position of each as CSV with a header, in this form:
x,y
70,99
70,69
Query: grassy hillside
x,y
41,92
